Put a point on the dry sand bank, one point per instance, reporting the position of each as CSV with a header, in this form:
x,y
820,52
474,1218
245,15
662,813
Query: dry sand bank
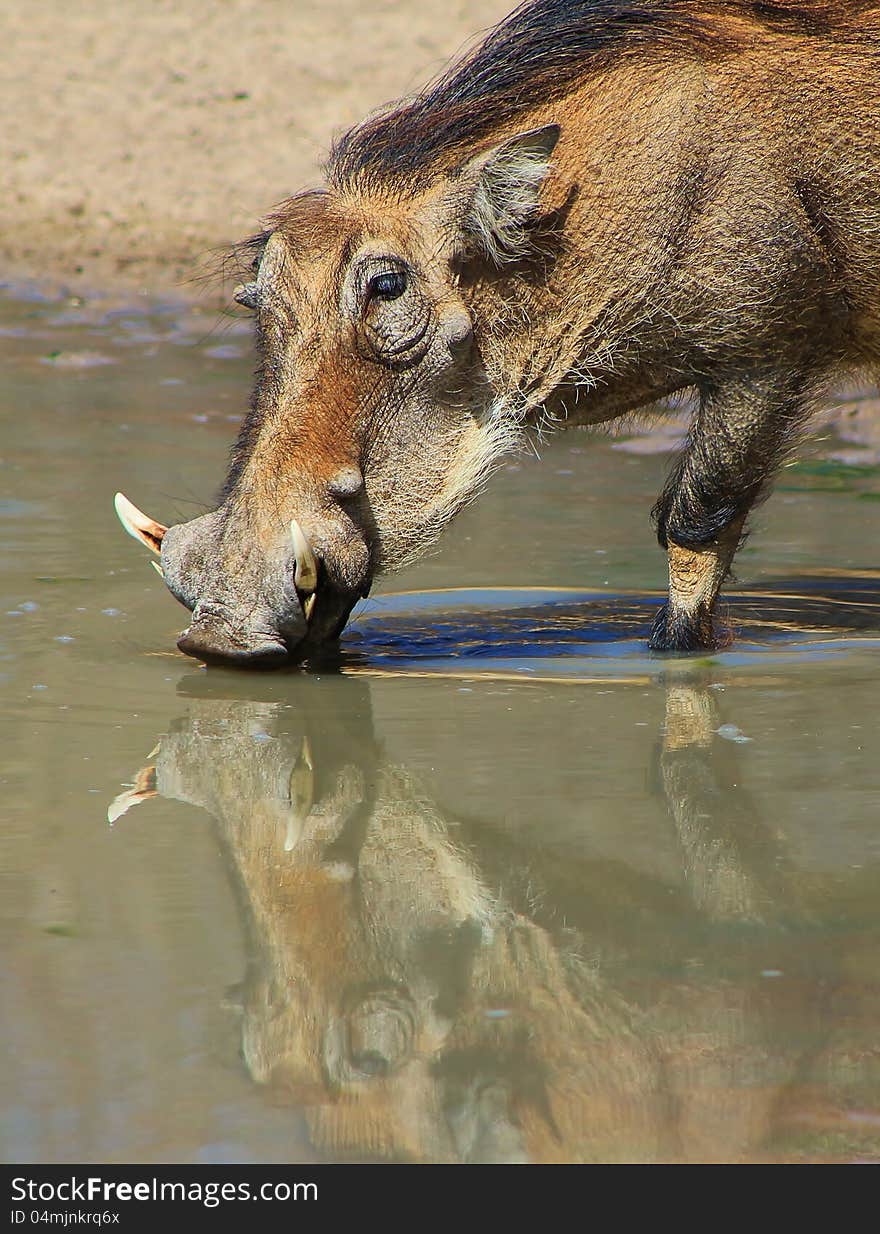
x,y
136,137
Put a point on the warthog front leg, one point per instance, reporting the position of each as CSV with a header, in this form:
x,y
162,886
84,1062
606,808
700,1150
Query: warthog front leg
x,y
686,622
739,436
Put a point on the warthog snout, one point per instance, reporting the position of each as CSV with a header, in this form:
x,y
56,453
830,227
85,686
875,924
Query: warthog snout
x,y
257,600
212,636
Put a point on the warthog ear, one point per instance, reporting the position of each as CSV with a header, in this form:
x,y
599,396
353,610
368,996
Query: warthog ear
x,y
499,191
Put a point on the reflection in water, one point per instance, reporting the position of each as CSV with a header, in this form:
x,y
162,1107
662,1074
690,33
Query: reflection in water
x,y
426,989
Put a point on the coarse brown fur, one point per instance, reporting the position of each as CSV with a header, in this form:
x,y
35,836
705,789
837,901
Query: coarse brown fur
x,y
603,204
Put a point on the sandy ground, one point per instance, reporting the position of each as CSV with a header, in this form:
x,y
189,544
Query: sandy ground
x,y
139,136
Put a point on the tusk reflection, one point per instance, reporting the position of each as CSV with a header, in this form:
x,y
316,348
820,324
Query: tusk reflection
x,y
302,796
143,789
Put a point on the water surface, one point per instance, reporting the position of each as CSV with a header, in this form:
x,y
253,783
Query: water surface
x,y
504,887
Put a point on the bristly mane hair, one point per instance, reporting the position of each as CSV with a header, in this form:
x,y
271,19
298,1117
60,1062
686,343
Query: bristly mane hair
x,y
537,55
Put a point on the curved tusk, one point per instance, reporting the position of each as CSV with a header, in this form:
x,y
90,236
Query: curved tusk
x,y
139,525
306,573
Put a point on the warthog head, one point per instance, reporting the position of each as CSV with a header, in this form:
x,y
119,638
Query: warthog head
x,y
378,409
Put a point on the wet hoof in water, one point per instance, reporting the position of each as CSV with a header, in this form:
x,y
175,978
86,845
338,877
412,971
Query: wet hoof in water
x,y
684,630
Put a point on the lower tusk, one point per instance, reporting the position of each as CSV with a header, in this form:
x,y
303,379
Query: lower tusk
x,y
158,568
139,525
309,606
306,573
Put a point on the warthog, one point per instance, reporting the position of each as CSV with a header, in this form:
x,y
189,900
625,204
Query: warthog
x,y
604,204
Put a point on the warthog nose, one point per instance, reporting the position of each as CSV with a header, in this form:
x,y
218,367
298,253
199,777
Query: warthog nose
x,y
214,645
380,1035
346,483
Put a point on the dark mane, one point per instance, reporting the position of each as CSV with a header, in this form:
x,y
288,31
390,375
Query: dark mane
x,y
537,55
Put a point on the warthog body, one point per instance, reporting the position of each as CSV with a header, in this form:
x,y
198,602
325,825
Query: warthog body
x,y
604,204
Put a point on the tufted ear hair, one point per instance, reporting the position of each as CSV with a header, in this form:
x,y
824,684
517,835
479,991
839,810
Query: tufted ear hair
x,y
498,192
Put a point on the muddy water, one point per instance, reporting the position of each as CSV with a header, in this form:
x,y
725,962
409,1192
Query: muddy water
x,y
505,887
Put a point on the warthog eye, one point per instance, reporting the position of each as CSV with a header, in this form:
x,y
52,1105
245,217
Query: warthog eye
x,y
387,286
